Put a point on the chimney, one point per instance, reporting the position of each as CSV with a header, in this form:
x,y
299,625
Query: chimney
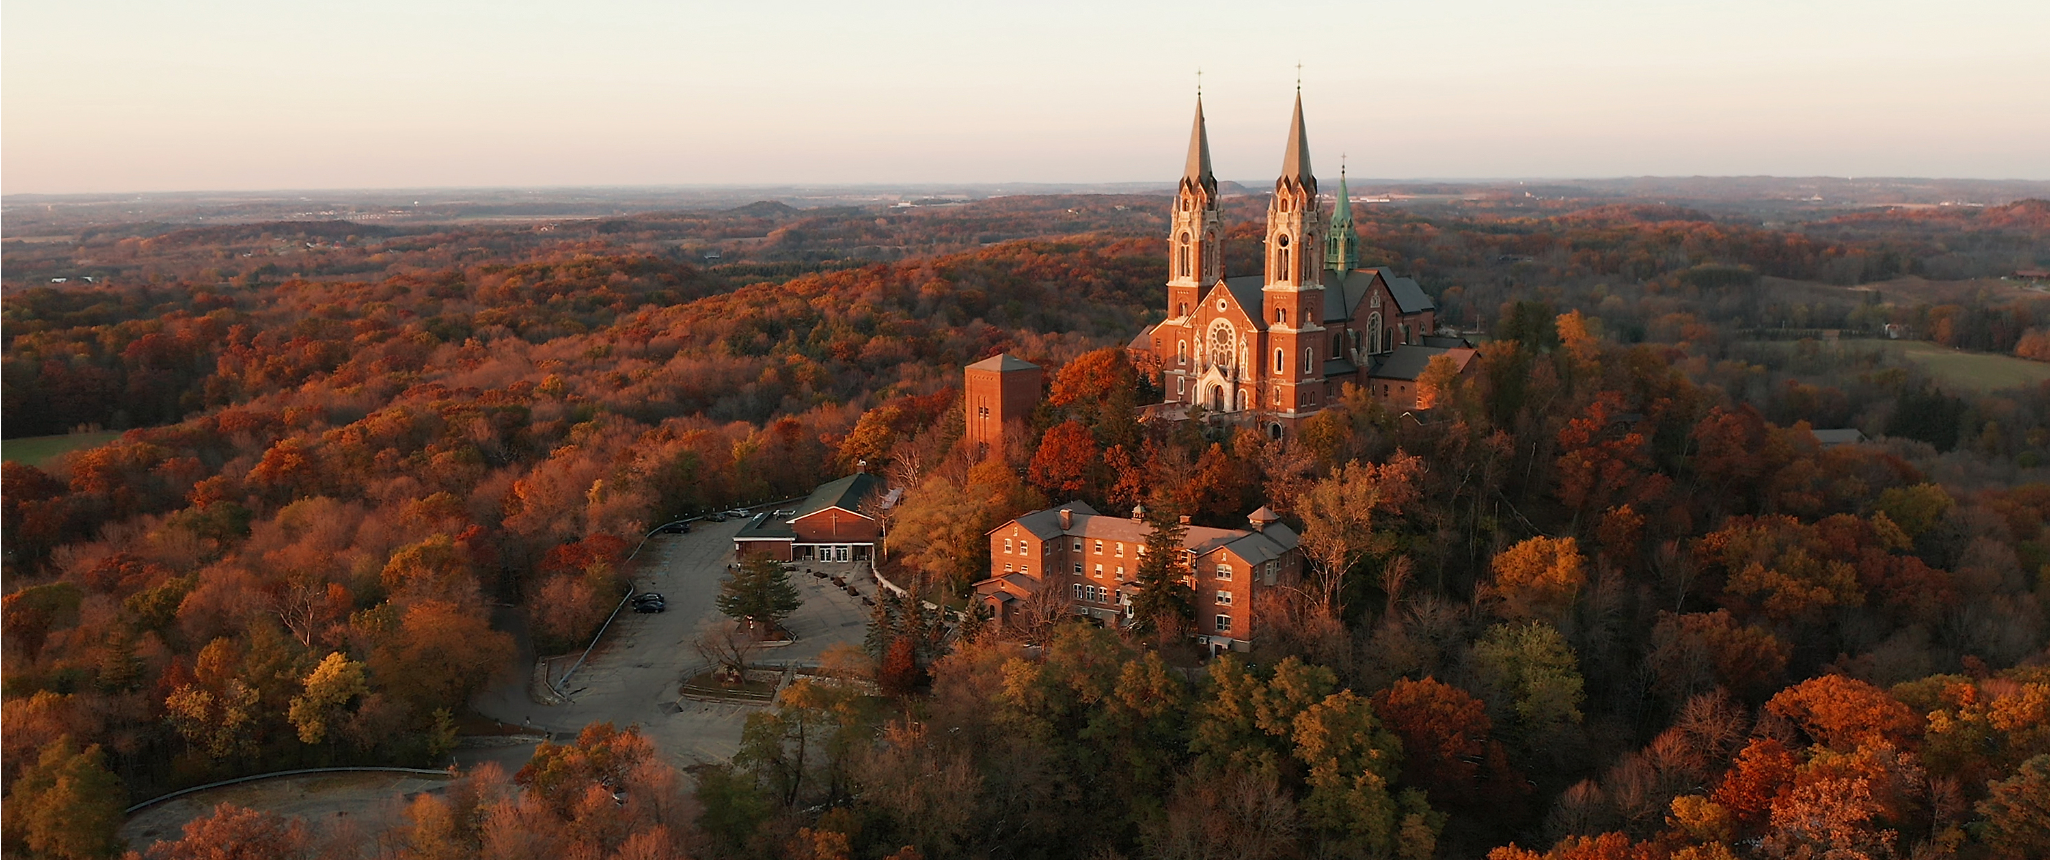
x,y
1185,519
1067,518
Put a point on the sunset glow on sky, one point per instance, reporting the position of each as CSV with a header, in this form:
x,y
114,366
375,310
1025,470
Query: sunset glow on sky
x,y
102,96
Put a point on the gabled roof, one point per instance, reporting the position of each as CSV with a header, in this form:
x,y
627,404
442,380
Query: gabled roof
x,y
1144,341
1446,341
1409,360
846,494
1410,297
1251,545
1343,293
1245,289
1002,362
763,526
1046,524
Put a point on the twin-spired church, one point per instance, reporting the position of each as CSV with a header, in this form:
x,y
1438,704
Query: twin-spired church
x,y
1272,349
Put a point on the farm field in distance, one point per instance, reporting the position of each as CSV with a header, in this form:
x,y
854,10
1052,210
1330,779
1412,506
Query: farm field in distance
x,y
42,451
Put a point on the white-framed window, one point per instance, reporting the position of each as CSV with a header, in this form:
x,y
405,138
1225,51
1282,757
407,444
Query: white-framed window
x,y
1223,623
1007,567
1281,316
1007,546
1099,547
1279,358
1181,353
1099,571
1024,568
1224,598
1078,592
1121,573
1224,572
1078,544
1181,385
1309,358
1078,568
1120,547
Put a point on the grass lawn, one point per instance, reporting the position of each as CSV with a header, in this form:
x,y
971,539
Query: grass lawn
x,y
1980,371
43,451
1976,371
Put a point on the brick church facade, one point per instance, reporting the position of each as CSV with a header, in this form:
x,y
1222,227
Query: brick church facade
x,y
1273,349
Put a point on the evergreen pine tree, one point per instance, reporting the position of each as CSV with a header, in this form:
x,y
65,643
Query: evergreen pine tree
x,y
1164,601
759,592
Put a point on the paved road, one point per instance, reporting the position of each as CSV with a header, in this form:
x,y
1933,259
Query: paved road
x,y
632,676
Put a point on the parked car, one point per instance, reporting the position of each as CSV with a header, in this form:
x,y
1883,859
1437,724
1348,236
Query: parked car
x,y
647,596
650,606
717,517
786,512
676,528
737,513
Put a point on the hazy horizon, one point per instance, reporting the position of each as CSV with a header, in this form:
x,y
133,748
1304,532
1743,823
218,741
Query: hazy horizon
x,y
123,97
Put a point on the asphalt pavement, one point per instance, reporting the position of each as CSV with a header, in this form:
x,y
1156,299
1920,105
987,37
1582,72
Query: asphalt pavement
x,y
632,676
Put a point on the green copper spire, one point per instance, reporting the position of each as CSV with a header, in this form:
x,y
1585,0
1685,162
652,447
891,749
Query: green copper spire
x,y
1342,249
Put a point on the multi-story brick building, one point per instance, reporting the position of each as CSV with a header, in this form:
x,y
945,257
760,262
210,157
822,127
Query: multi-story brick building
x,y
1273,349
1092,563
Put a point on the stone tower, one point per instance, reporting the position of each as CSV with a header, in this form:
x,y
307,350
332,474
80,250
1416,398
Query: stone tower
x,y
999,391
1293,291
1196,235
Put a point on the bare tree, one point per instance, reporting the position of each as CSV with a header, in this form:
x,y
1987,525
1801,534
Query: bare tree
x,y
1040,611
727,648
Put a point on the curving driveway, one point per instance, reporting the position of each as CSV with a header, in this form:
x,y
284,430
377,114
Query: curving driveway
x,y
633,674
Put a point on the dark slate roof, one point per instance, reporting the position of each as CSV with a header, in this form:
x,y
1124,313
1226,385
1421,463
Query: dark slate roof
x,y
762,526
1144,342
1338,367
1245,289
1406,362
1046,524
846,493
1839,436
1002,362
1343,293
1410,297
1445,342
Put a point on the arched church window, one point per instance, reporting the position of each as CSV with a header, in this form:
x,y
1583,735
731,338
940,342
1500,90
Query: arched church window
x,y
1281,316
1281,266
1374,333
1309,358
1181,352
1182,257
1278,357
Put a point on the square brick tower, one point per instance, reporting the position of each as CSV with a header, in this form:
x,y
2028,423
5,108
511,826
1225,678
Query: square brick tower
x,y
1000,390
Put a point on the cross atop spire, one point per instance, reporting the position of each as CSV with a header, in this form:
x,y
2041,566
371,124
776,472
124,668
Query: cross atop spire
x,y
1295,161
1197,171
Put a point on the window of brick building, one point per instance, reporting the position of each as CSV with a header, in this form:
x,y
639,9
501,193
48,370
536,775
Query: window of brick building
x,y
1224,598
1224,572
1224,624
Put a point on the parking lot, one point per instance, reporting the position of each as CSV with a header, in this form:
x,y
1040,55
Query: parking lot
x,y
632,676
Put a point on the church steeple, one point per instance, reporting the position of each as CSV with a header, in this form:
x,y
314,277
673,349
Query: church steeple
x,y
1342,249
1196,228
1197,172
1295,227
1295,162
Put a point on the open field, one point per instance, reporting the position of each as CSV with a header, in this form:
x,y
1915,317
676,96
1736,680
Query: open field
x,y
1973,371
42,451
1979,371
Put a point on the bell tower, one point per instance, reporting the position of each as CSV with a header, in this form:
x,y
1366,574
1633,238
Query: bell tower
x,y
1195,239
1294,287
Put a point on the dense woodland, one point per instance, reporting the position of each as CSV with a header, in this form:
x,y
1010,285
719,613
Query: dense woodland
x,y
1610,599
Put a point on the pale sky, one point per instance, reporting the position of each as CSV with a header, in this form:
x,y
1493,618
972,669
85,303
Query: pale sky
x,y
112,95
